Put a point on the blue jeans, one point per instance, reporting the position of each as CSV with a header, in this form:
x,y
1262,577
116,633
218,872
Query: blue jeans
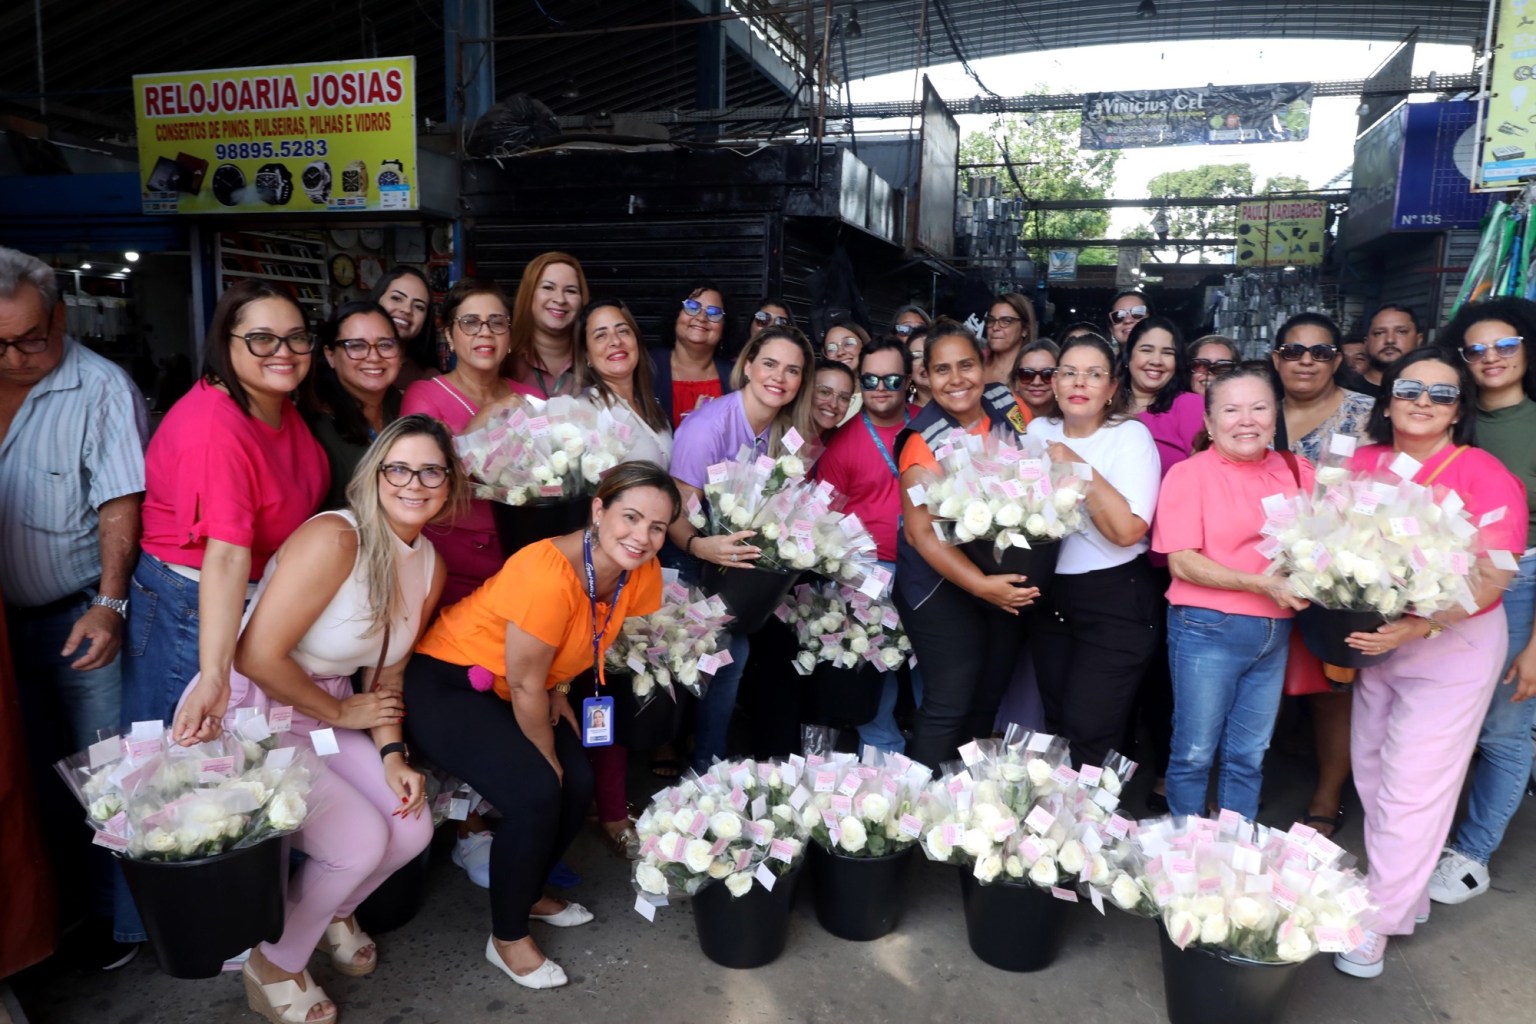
x,y
880,732
712,720
1228,672
1501,775
159,659
63,710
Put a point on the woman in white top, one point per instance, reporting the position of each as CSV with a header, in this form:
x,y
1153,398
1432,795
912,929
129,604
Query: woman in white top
x,y
1097,628
349,590
613,371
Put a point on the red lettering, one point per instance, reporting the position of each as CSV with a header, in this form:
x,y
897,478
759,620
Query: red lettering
x,y
151,102
264,93
290,93
197,99
396,87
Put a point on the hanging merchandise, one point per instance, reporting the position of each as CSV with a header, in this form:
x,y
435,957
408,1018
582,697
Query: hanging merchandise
x,y
1505,263
1251,306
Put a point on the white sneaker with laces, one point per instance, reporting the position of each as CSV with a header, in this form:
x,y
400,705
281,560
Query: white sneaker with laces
x,y
1365,960
1457,878
473,854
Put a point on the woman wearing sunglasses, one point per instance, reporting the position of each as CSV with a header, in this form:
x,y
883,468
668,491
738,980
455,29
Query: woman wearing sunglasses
x,y
693,371
351,395
1126,311
1210,356
541,349
1009,326
1306,358
772,311
1490,337
1033,368
478,326
1417,714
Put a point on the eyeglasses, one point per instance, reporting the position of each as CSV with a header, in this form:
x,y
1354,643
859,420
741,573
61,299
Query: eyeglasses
x,y
1001,321
357,349
763,317
834,347
1024,375
1292,353
264,343
1120,316
1215,367
399,474
693,307
874,381
27,346
1068,375
471,324
1440,394
1503,348
840,397
903,329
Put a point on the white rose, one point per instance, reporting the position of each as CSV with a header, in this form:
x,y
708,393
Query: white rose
x,y
707,804
935,846
697,521
1014,865
859,644
1183,927
543,475
1110,782
806,660
1295,947
875,806
725,825
159,840
740,517
792,466
662,823
950,508
719,868
976,842
1009,516
286,811
768,830
784,814
1207,906
1125,892
988,868
1213,930
727,504
1012,771
771,531
1247,913
976,518
1043,872
559,463
696,855
1065,500
738,883
650,879
1036,526
1039,771
105,807
810,814
853,835
1071,857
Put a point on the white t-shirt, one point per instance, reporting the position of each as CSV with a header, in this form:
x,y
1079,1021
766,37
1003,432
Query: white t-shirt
x,y
1125,455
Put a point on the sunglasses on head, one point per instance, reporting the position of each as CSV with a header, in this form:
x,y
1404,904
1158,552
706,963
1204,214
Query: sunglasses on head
x,y
693,307
1440,394
874,381
1292,353
1214,366
1120,316
1503,348
904,329
1024,375
765,318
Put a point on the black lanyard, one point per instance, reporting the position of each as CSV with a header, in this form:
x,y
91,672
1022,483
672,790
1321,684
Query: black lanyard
x,y
597,633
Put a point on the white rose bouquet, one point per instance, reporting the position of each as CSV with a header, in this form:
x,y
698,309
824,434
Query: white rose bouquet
x,y
1244,890
837,625
1003,489
680,644
544,450
730,825
150,799
868,809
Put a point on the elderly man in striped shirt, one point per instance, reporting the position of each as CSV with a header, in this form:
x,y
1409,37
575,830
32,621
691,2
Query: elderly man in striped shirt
x,y
72,435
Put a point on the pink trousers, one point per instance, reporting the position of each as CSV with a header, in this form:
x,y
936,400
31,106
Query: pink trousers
x,y
1416,720
352,842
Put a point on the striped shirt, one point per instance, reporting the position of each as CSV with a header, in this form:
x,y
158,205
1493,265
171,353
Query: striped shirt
x,y
76,443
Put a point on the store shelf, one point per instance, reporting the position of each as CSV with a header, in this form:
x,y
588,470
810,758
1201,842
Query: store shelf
x,y
273,277
296,261
272,255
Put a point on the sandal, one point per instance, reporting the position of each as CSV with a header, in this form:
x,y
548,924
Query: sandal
x,y
666,767
342,940
624,843
285,1002
1319,822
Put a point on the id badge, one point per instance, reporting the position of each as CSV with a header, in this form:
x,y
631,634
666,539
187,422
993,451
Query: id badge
x,y
597,722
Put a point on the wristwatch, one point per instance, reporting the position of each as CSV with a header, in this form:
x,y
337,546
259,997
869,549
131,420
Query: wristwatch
x,y
1435,629
562,687
117,604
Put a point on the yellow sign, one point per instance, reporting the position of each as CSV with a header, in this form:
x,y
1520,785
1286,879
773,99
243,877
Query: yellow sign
x,y
285,139
1283,233
1506,132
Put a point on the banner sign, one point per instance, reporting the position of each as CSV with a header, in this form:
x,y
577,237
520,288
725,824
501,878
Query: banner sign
x,y
337,136
1508,134
1062,265
1281,233
1208,115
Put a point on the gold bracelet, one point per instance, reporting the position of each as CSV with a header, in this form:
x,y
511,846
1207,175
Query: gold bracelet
x,y
1435,629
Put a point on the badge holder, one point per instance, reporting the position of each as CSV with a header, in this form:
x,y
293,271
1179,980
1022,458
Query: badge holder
x,y
597,722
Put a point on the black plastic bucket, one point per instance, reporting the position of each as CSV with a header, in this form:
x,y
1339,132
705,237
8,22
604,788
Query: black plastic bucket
x,y
859,898
517,526
751,594
1202,986
844,696
1323,631
655,724
746,931
1011,926
398,898
1038,562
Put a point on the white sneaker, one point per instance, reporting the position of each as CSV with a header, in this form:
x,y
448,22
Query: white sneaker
x,y
473,854
1457,878
1365,960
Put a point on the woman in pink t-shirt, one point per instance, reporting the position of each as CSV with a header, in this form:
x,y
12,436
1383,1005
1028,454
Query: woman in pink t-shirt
x,y
1417,714
1229,623
477,325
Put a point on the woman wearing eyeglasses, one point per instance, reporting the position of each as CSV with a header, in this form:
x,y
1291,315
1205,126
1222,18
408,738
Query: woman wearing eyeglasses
x,y
1306,358
1210,356
1417,714
832,396
351,395
478,326
1009,326
1490,337
1098,628
1033,368
1126,311
541,349
694,371
772,311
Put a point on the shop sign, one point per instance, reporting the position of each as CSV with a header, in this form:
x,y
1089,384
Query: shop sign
x,y
1210,115
294,138
1062,265
1282,233
1507,128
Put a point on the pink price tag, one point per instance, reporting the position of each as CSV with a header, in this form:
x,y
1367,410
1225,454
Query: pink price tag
x,y
719,845
780,849
792,440
1091,775
1064,775
910,826
1208,885
1064,894
649,846
849,786
1117,826
109,840
699,824
738,798
1040,819
1031,849
758,830
826,781
842,804
1284,895
280,719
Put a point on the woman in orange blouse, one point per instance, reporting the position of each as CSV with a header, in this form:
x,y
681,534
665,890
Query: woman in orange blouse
x,y
487,693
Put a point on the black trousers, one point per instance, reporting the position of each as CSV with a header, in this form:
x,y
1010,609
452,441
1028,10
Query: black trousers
x,y
1154,701
475,736
1092,644
966,650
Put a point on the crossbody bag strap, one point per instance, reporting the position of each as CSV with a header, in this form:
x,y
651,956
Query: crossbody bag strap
x,y
1448,460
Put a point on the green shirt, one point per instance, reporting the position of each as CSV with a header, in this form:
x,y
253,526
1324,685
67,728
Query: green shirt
x,y
1510,436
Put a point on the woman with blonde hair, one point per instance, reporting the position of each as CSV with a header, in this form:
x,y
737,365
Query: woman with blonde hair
x,y
541,351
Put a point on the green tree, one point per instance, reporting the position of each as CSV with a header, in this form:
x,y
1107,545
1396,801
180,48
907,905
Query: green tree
x,y
1224,181
1043,150
1285,183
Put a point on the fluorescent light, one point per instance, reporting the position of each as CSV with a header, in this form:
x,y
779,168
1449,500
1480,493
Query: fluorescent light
x,y
131,256
85,266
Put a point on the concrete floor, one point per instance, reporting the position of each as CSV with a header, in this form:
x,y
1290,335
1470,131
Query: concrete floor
x,y
1471,963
